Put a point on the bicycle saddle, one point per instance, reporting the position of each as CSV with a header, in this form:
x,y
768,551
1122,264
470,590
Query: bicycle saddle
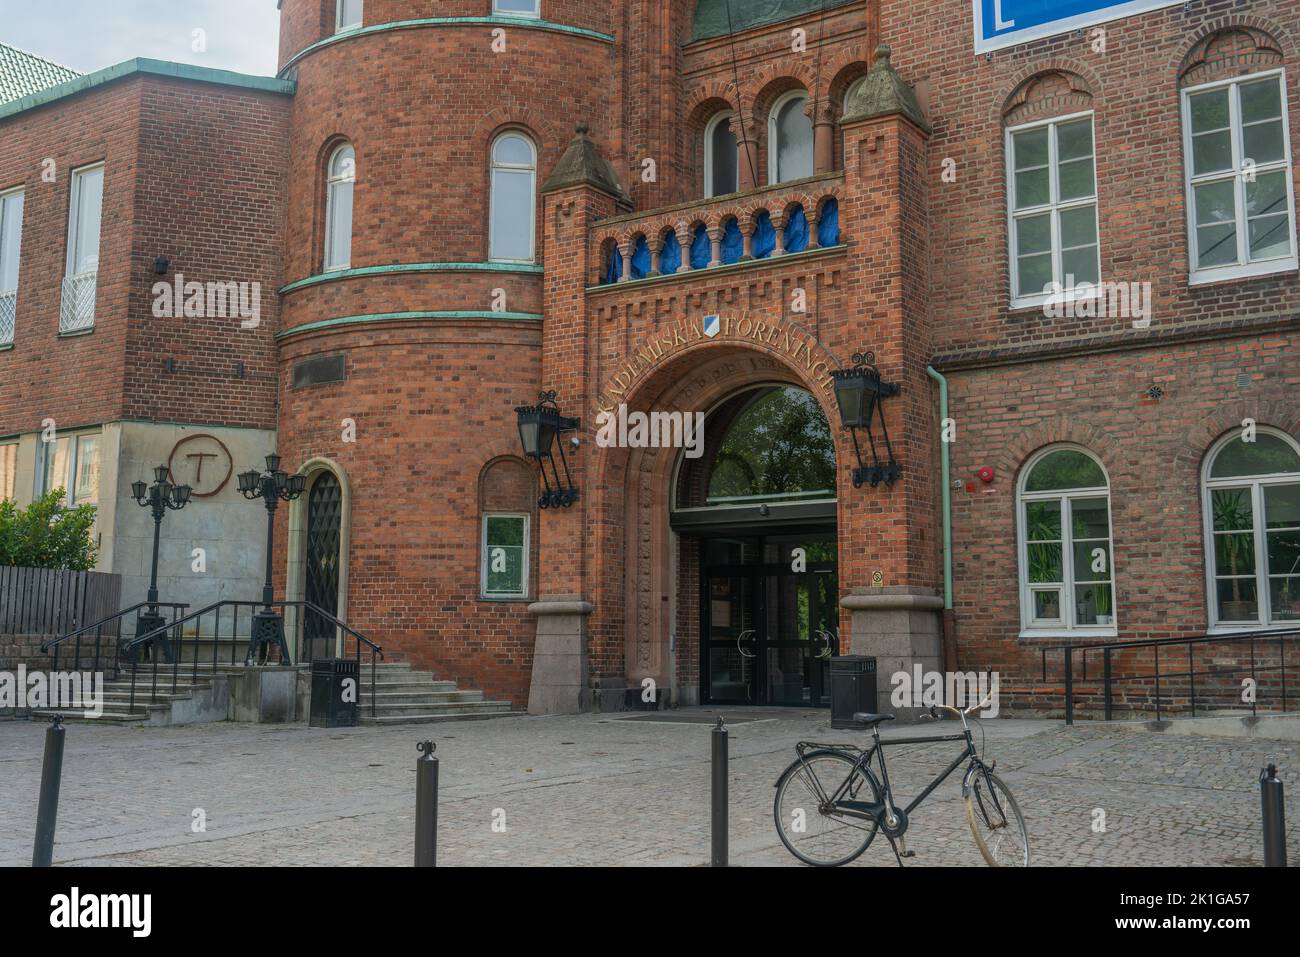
x,y
869,719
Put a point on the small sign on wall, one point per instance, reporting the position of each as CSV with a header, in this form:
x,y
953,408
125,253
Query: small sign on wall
x,y
202,462
1004,23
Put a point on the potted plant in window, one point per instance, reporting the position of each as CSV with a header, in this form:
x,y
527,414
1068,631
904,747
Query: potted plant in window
x,y
1101,596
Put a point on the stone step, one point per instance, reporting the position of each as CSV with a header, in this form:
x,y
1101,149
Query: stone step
x,y
383,719
109,716
383,699
437,707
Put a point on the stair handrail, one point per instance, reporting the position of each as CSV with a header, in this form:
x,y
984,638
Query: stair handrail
x,y
47,645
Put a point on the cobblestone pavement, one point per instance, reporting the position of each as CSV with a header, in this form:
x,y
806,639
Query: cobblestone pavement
x,y
609,790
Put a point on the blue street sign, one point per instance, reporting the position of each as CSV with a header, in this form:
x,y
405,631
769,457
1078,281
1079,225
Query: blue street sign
x,y
1004,23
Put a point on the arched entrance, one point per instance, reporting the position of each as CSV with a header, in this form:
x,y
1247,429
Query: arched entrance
x,y
318,542
757,508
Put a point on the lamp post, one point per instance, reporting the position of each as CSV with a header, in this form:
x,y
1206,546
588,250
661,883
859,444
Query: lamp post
x,y
159,497
271,487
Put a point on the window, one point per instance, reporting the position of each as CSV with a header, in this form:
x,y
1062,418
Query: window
x,y
338,208
77,312
347,15
1052,192
518,8
789,139
1241,215
721,160
11,239
1252,514
71,462
1066,582
505,556
514,181
8,469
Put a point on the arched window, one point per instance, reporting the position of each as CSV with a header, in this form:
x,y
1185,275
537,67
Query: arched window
x,y
789,139
1252,530
347,15
1066,578
721,160
341,181
514,202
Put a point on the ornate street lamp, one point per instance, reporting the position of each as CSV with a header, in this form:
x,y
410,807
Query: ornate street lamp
x,y
160,497
271,487
860,395
539,426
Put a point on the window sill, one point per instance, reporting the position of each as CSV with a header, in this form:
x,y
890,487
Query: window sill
x,y
6,346
76,332
1270,267
1246,628
1056,634
506,599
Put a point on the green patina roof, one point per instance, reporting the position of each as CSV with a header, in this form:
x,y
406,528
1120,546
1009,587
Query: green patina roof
x,y
711,15
23,73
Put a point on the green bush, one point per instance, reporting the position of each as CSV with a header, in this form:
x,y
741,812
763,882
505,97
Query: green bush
x,y
47,534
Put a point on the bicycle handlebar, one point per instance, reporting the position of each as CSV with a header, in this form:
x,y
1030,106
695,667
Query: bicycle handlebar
x,y
957,713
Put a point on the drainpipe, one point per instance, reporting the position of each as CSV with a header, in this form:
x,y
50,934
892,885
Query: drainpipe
x,y
949,620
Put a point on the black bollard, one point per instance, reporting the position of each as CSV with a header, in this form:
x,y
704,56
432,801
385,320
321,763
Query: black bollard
x,y
47,811
426,807
720,794
1270,797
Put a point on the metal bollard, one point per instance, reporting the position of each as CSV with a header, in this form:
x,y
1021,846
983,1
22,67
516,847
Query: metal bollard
x,y
426,807
720,794
1270,798
47,811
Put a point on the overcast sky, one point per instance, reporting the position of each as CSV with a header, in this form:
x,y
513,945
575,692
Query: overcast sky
x,y
88,35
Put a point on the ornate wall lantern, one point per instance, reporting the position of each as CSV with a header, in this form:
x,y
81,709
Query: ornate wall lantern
x,y
539,427
860,395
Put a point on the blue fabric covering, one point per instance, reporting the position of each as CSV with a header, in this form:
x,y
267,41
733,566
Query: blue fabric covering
x,y
614,271
670,259
733,243
701,248
828,229
641,259
796,231
764,235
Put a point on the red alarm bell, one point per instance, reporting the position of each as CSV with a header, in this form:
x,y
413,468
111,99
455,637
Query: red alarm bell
x,y
986,475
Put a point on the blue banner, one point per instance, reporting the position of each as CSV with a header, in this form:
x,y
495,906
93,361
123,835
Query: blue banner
x,y
1004,23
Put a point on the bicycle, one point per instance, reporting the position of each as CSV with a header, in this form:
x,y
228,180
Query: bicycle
x,y
829,805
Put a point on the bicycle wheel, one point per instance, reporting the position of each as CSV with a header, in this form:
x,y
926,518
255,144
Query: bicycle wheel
x,y
809,827
996,822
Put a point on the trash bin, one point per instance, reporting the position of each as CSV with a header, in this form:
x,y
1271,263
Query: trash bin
x,y
335,688
853,688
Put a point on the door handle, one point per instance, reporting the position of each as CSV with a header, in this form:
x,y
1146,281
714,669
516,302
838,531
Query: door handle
x,y
741,637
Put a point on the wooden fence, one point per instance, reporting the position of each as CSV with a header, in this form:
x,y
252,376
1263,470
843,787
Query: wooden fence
x,y
45,601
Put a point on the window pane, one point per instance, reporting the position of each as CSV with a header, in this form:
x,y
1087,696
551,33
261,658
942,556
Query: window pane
x,y
56,465
1045,565
516,6
1079,227
725,160
8,469
1047,605
87,480
1035,274
1216,203
1266,195
1283,552
513,151
1263,142
504,555
1090,518
1282,506
1034,235
1076,180
1065,469
1031,148
339,250
1083,264
1267,455
1284,594
1234,554
11,233
794,149
1237,599
1074,140
1092,605
1210,111
1232,510
512,214
1092,562
1032,188
1216,245
1043,521
1266,207
1261,100
349,13
1212,152
90,197
344,164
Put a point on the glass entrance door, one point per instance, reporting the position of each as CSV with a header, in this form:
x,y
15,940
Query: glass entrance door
x,y
770,622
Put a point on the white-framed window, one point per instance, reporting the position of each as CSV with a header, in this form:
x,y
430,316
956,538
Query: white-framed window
x,y
1252,530
1067,583
721,157
1237,160
789,139
504,555
85,212
8,469
514,199
11,241
347,15
340,185
1052,207
518,8
70,462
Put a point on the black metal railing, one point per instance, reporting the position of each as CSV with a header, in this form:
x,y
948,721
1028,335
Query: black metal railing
x,y
104,637
185,644
1128,674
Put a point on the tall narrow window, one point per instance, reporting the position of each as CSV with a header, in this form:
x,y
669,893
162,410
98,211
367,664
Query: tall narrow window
x,y
518,8
8,469
77,311
514,199
1052,189
11,238
790,139
721,160
505,556
71,462
1252,514
1066,582
338,208
348,15
1241,211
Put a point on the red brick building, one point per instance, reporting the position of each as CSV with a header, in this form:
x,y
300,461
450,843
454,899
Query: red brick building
x,y
1075,256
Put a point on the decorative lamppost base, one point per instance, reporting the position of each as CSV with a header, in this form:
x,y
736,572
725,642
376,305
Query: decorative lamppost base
x,y
151,621
268,629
